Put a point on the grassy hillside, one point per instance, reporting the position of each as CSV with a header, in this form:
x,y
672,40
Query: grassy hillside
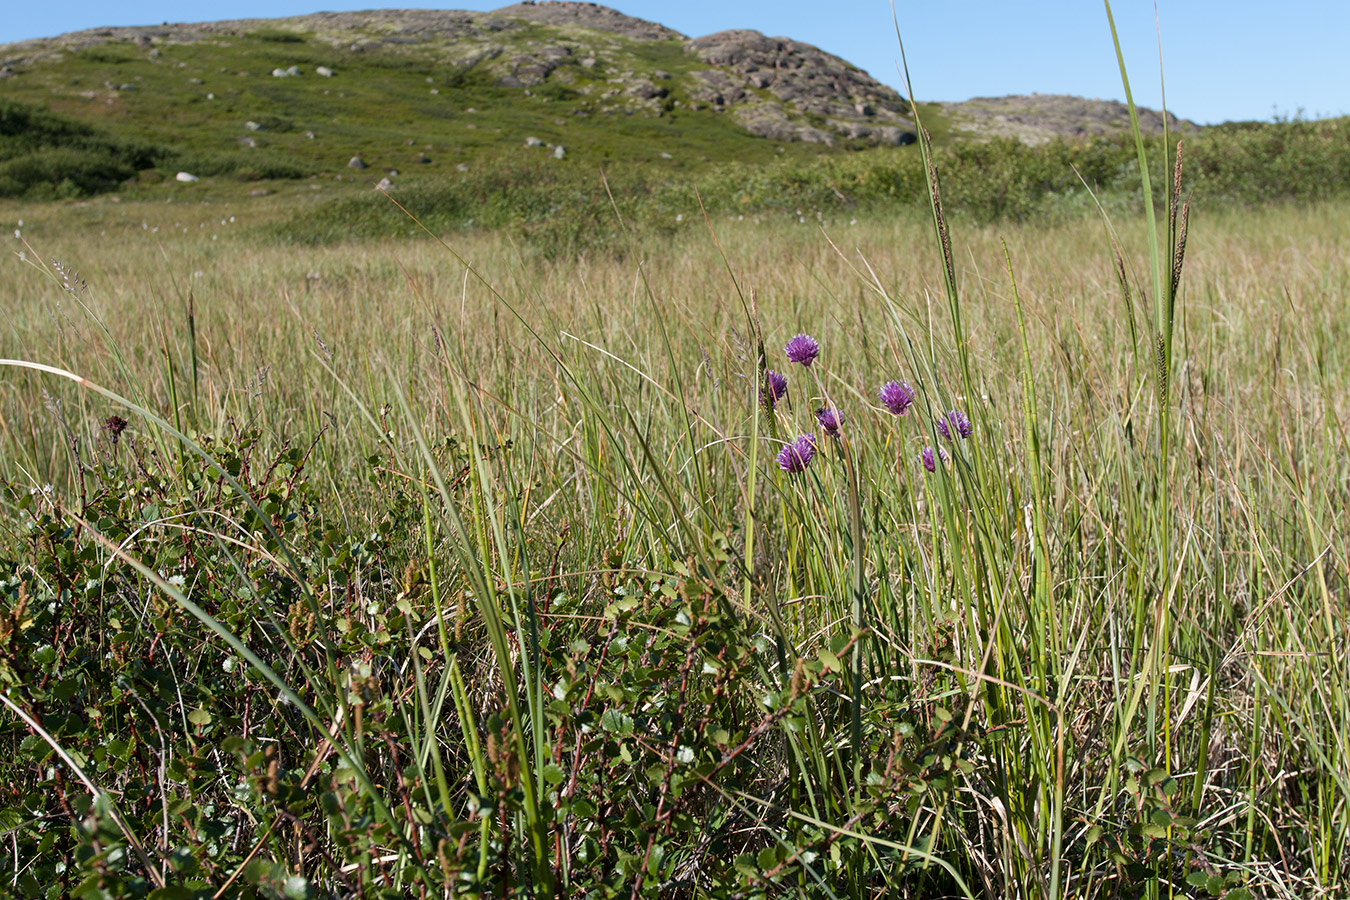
x,y
440,101
389,103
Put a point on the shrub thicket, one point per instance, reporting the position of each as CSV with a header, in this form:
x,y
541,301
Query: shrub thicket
x,y
562,209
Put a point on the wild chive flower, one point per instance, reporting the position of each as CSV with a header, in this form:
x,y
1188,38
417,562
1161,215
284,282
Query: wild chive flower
x,y
797,455
897,396
802,349
929,458
830,420
773,389
957,420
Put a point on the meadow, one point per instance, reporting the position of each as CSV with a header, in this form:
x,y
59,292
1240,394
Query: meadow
x,y
422,567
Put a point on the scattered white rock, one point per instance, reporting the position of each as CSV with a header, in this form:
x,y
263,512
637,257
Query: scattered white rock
x,y
309,135
665,155
462,167
356,162
324,71
247,142
186,177
210,96
434,92
253,126
559,151
533,142
384,185
292,72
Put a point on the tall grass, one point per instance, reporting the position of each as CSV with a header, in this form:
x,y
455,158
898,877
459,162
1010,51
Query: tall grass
x,y
526,607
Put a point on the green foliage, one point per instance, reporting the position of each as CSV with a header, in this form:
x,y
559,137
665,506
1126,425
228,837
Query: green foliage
x,y
46,156
62,173
257,165
276,36
657,712
559,209
556,211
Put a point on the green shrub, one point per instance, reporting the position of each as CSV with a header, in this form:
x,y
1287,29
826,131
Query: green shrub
x,y
47,156
254,165
61,173
275,36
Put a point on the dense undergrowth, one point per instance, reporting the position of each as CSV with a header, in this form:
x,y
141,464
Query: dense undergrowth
x,y
563,211
472,610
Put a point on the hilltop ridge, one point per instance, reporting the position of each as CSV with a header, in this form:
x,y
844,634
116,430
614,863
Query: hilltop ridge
x,y
398,92
776,88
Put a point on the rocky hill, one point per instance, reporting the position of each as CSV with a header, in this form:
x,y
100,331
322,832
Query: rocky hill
x,y
1037,118
398,92
776,88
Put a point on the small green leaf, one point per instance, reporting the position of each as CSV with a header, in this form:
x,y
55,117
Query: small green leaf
x,y
830,661
199,717
616,722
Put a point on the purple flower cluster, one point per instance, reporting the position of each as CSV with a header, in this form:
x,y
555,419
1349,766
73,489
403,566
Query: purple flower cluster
x,y
896,396
797,455
929,458
954,420
773,389
830,419
802,349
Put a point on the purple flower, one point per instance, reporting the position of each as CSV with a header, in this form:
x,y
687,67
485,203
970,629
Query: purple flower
x,y
958,420
830,420
929,458
797,455
773,389
897,396
802,349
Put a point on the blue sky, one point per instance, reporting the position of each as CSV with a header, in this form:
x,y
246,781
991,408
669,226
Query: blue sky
x,y
1225,59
